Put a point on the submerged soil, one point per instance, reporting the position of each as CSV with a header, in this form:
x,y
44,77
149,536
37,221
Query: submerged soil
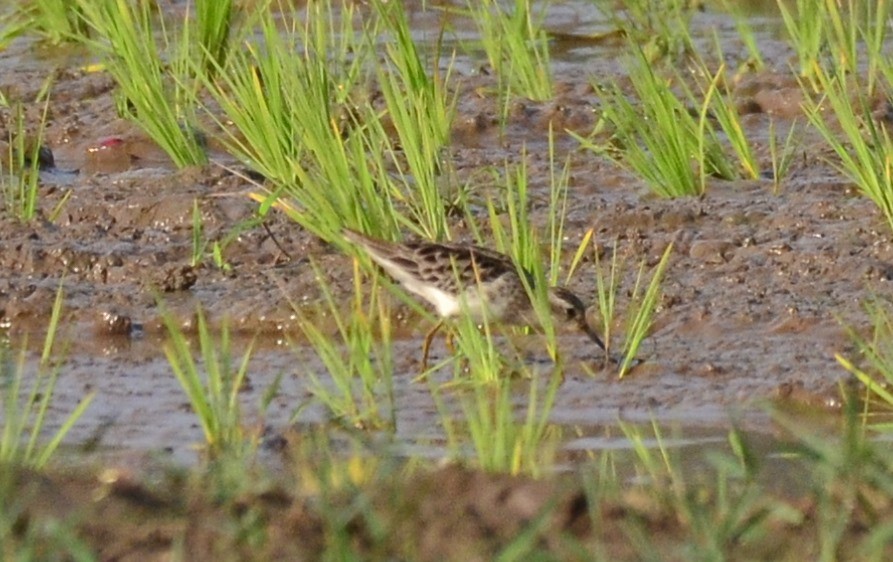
x,y
763,279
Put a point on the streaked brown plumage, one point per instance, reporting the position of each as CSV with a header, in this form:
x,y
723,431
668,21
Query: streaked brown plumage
x,y
462,278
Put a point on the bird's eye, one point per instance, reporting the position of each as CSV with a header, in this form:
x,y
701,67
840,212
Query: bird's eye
x,y
571,313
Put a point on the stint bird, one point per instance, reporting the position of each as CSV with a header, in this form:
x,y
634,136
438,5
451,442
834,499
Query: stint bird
x,y
457,278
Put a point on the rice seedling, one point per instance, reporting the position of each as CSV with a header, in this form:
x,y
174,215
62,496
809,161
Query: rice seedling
x,y
846,472
873,29
24,410
639,309
839,32
805,24
158,96
719,104
661,27
212,387
20,181
421,112
659,139
877,374
854,28
359,388
55,21
516,47
252,93
503,441
746,34
865,151
323,172
719,507
214,22
607,286
828,487
782,157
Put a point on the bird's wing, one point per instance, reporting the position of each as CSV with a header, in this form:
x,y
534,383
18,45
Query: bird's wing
x,y
467,265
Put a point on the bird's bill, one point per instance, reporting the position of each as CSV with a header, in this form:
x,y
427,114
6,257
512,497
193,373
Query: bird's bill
x,y
593,335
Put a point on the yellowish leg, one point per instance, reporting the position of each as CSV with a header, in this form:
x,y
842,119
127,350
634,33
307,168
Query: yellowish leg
x,y
427,345
449,342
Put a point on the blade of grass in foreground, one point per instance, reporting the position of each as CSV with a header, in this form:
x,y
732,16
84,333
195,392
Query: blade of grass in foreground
x,y
878,354
359,390
504,443
24,411
214,396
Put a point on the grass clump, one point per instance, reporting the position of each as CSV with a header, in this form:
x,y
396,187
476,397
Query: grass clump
x,y
55,21
875,368
714,509
214,20
662,28
325,170
642,303
212,387
805,24
156,93
837,35
420,110
719,105
659,138
20,166
861,142
504,437
516,46
358,359
24,410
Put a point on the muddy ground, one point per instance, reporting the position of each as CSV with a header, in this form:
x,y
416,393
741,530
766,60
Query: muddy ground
x,y
760,283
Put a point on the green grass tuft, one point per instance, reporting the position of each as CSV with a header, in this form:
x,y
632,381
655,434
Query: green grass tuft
x,y
155,80
24,409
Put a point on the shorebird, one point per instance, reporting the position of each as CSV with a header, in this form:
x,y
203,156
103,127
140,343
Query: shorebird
x,y
465,279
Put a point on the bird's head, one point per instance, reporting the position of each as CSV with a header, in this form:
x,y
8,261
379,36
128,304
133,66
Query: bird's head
x,y
569,308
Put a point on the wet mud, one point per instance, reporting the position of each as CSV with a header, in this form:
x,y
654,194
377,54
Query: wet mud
x,y
758,287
